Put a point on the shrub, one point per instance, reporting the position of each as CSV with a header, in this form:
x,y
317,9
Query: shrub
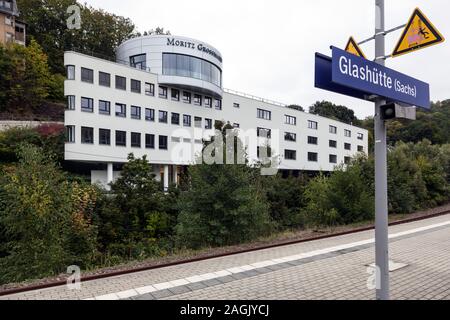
x,y
285,199
137,216
224,203
46,220
342,198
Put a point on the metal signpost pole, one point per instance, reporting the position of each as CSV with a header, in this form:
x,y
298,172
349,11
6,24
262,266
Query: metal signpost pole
x,y
381,210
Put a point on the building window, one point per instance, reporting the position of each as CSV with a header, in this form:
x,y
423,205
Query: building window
x,y
312,140
288,136
290,120
71,102
149,114
8,21
9,37
347,146
149,89
104,136
218,104
263,132
135,140
87,75
7,4
70,72
333,144
360,136
198,122
87,135
70,134
175,94
104,79
312,157
135,86
163,92
290,154
121,110
333,158
236,125
138,61
208,123
187,66
236,105
187,97
135,112
312,124
208,102
175,119
197,99
333,129
360,149
150,141
104,107
162,142
347,160
121,83
87,104
264,114
186,120
121,138
348,133
162,116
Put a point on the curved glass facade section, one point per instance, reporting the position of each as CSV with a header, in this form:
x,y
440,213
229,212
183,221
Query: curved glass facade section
x,y
175,64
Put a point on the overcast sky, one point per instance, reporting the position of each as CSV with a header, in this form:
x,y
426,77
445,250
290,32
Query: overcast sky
x,y
268,46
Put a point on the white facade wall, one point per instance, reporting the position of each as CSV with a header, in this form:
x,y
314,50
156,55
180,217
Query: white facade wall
x,y
183,152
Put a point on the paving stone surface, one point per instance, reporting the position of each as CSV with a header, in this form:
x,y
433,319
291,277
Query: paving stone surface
x,y
332,275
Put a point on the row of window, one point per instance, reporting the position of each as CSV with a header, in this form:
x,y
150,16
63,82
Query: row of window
x,y
104,107
291,120
104,138
292,137
104,79
313,157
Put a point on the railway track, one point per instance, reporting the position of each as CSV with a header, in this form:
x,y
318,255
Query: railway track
x,y
130,270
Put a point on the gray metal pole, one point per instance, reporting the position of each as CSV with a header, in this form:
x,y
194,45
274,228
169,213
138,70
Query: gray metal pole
x,y
381,201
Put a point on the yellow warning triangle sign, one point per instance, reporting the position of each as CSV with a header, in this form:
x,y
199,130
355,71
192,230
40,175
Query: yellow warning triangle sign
x,y
353,48
418,34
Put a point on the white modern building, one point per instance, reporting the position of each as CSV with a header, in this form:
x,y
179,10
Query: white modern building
x,y
164,94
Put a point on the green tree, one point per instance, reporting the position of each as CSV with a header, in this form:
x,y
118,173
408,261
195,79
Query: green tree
x,y
137,215
25,81
337,112
224,204
46,21
296,107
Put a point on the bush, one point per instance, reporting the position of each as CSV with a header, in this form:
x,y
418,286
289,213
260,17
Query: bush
x,y
418,176
224,204
137,217
285,199
222,207
343,198
48,136
45,219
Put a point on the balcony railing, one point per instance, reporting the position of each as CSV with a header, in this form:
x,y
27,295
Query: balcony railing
x,y
246,95
102,56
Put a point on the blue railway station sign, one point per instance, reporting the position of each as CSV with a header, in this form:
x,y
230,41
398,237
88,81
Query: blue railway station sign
x,y
354,76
